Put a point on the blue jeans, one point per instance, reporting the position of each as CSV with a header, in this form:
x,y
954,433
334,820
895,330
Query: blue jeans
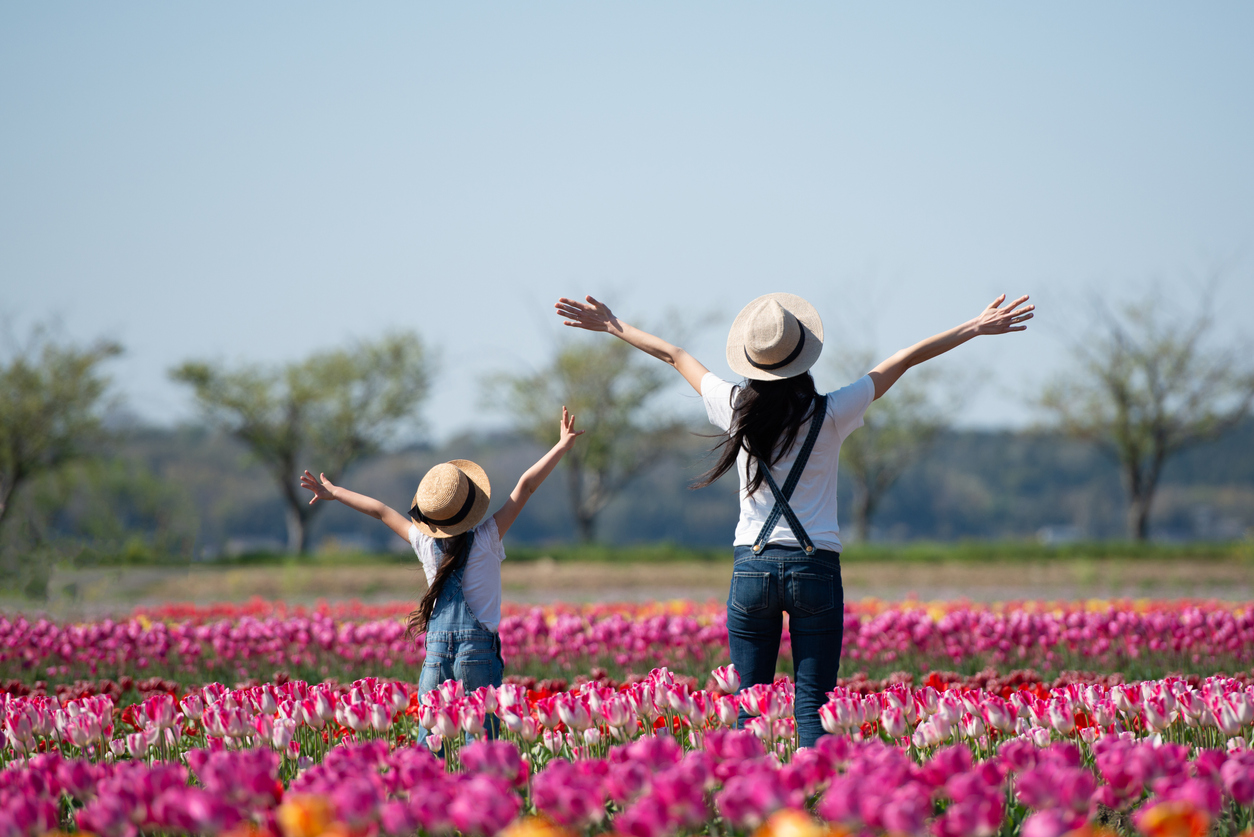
x,y
459,648
808,587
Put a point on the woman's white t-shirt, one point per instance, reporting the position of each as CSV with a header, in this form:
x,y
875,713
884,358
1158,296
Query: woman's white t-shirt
x,y
814,499
481,580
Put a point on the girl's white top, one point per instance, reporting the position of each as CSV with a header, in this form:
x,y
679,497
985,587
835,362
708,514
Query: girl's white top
x,y
481,580
814,499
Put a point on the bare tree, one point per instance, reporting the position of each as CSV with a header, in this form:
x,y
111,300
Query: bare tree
x,y
609,386
327,411
897,429
51,396
1145,386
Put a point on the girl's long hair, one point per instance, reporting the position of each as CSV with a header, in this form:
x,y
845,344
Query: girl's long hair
x,y
767,418
455,551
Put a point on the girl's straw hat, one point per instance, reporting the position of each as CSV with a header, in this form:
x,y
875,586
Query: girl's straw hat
x,y
452,498
774,337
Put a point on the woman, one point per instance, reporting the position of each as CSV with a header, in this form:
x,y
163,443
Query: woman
x,y
787,544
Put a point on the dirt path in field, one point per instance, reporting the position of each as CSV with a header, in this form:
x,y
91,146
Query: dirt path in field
x,y
108,591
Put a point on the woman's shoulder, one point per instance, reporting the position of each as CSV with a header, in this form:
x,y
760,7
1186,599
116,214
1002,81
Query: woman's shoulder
x,y
846,405
859,393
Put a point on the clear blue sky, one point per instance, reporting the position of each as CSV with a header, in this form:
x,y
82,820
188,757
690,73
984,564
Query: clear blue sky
x,y
251,181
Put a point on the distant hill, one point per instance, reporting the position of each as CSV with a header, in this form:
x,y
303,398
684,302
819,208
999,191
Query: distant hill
x,y
971,484
192,492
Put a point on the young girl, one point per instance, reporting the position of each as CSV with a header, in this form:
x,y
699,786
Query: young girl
x,y
461,558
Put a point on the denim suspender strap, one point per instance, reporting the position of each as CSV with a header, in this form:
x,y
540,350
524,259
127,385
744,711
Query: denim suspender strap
x,y
790,484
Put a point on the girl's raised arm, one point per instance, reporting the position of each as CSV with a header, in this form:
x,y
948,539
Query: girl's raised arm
x,y
323,490
596,316
535,475
992,320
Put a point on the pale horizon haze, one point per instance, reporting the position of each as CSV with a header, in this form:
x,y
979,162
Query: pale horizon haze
x,y
250,182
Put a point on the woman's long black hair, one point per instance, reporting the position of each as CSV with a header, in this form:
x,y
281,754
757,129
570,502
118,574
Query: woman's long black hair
x,y
455,551
765,422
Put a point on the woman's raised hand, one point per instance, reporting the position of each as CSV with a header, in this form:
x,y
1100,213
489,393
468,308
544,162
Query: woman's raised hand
x,y
997,320
591,315
566,438
321,490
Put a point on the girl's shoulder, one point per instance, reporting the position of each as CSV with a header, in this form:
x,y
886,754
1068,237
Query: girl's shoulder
x,y
488,537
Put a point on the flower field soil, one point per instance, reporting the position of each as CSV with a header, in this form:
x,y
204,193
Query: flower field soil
x,y
265,641
651,758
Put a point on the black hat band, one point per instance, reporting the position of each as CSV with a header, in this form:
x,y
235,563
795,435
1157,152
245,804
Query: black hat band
x,y
417,514
767,367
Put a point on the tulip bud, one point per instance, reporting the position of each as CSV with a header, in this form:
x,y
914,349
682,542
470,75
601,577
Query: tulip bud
x,y
553,741
728,709
451,690
444,725
829,719
473,718
434,742
1243,708
485,696
1060,717
193,705
137,744
727,678
282,735
894,721
1227,719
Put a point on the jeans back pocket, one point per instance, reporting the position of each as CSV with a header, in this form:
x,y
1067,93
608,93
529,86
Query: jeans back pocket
x,y
812,593
750,592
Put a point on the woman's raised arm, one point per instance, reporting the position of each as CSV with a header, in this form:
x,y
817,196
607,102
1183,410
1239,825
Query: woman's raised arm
x,y
992,320
596,316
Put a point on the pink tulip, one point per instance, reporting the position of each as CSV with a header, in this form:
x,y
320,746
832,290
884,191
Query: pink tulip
x,y
381,717
473,718
1061,717
445,724
727,678
573,711
972,726
893,720
727,709
452,690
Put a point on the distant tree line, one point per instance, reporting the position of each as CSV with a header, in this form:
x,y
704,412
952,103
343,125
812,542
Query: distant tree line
x,y
1147,385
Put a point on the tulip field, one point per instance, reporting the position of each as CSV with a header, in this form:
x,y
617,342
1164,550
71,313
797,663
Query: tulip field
x,y
1025,719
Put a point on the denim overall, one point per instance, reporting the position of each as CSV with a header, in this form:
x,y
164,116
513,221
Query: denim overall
x,y
768,580
459,647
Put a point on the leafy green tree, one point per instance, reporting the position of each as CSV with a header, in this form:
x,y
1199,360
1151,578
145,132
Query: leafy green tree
x,y
327,411
51,398
609,387
1146,385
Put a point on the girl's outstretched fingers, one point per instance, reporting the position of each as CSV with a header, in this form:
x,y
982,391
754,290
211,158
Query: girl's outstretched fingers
x,y
321,489
569,433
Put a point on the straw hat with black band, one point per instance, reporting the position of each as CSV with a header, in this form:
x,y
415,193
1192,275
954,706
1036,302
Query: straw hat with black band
x,y
774,337
451,499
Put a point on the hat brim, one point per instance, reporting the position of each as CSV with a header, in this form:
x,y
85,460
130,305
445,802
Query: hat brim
x,y
806,315
483,498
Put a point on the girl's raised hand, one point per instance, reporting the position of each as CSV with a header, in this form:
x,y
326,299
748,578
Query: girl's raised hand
x,y
591,315
569,433
997,320
321,490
